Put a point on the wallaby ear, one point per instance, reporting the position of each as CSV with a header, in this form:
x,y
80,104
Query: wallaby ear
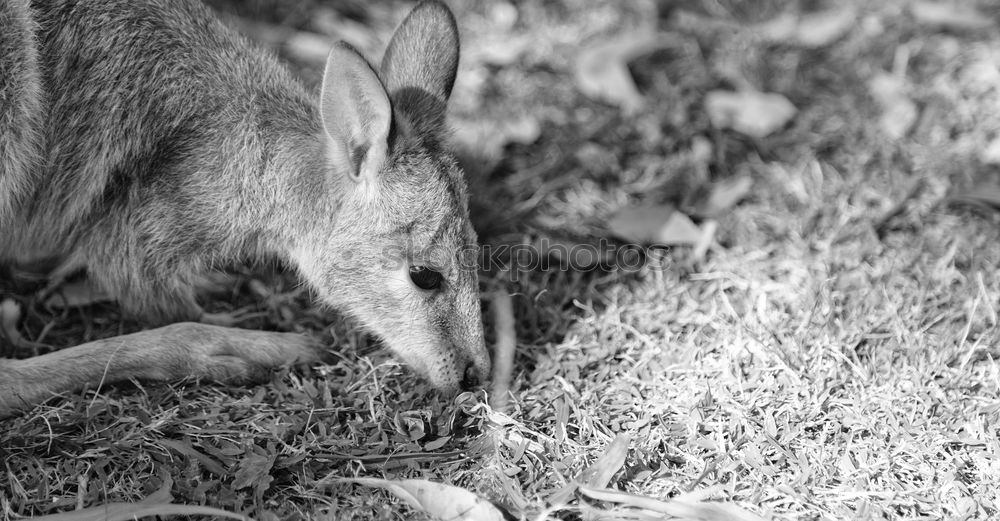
x,y
356,113
420,63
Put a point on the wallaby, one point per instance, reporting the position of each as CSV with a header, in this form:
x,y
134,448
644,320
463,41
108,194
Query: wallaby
x,y
146,142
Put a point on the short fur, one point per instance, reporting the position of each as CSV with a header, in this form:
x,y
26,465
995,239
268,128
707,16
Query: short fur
x,y
146,142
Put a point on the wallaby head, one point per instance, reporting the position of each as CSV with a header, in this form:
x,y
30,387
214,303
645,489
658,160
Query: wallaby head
x,y
149,142
398,251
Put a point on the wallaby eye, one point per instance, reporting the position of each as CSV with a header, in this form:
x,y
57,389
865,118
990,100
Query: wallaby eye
x,y
425,278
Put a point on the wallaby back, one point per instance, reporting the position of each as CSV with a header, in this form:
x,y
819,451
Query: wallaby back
x,y
21,107
148,142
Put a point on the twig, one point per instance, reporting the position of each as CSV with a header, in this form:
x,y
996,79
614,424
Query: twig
x,y
506,341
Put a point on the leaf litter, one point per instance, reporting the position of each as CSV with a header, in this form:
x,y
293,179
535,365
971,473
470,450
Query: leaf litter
x,y
601,69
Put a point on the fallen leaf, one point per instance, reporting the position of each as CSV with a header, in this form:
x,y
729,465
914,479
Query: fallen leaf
x,y
753,113
899,113
723,195
654,224
254,470
437,444
950,16
410,424
601,68
816,29
599,473
437,500
679,229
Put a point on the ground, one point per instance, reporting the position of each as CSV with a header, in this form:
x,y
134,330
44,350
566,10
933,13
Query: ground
x,y
830,355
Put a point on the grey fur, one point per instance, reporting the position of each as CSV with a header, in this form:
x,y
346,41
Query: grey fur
x,y
147,142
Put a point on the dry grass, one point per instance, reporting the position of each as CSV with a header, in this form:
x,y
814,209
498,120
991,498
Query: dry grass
x,y
832,357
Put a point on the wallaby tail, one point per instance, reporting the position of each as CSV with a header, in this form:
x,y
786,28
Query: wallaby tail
x,y
21,105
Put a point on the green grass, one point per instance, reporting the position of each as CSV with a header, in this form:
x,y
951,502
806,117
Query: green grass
x,y
832,357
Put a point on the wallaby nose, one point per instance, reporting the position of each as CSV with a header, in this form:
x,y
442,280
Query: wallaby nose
x,y
472,378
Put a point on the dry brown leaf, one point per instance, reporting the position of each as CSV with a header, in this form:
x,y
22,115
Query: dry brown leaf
x,y
753,113
723,196
437,444
815,29
654,224
487,138
679,229
437,500
601,68
254,470
598,474
899,113
950,16
410,424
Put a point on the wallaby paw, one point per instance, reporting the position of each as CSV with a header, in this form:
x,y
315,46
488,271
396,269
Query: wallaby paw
x,y
10,315
231,355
